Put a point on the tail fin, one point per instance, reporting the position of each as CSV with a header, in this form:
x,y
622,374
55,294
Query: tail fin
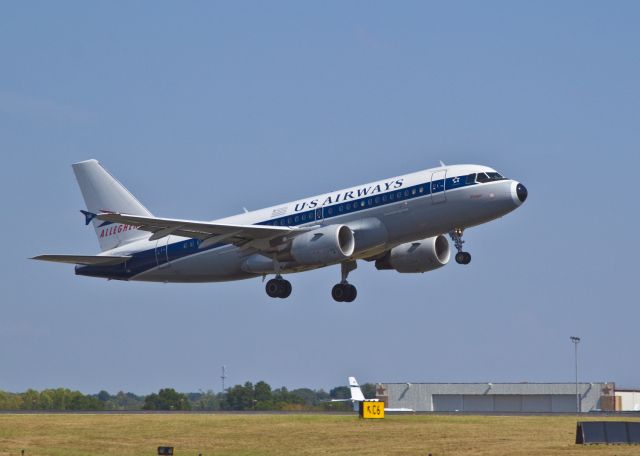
x,y
356,392
102,192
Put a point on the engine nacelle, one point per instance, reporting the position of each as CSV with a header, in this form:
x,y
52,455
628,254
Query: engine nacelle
x,y
420,256
325,245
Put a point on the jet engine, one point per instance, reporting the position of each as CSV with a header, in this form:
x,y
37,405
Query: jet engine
x,y
419,256
325,245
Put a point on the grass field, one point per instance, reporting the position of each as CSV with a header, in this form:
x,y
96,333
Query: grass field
x,y
75,435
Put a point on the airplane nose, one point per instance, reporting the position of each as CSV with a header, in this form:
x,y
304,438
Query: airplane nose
x,y
522,193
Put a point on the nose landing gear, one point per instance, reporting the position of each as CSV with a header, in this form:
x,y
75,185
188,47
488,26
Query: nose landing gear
x,y
344,291
456,237
278,287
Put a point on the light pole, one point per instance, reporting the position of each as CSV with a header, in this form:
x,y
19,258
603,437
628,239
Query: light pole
x,y
223,376
576,341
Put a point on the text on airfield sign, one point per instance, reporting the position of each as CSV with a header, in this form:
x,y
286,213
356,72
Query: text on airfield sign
x,y
372,409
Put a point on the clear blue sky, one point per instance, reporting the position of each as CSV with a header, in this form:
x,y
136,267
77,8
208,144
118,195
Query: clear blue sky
x,y
201,108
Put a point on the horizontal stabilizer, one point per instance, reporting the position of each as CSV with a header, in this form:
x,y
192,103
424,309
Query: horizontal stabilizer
x,y
93,260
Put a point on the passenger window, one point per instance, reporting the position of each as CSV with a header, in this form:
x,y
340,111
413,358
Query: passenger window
x,y
297,219
289,221
377,200
413,191
340,208
348,206
369,201
399,195
421,189
392,196
384,198
330,211
362,203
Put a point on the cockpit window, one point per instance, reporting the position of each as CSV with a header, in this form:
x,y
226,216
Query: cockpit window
x,y
495,176
471,179
489,177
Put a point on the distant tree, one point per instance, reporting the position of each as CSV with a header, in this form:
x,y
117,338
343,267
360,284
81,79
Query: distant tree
x,y
126,401
287,400
369,390
239,397
204,401
77,401
10,401
262,397
30,400
166,399
340,392
104,396
309,396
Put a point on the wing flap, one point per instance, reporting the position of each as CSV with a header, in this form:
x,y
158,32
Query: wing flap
x,y
93,260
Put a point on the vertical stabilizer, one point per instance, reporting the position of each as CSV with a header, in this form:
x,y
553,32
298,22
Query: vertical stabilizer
x,y
102,192
356,392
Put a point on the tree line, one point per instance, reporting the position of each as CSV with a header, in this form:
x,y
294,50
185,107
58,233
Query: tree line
x,y
257,397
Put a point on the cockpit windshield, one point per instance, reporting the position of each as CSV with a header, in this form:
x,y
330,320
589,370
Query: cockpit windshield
x,y
489,177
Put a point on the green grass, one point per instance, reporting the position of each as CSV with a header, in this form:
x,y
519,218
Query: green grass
x,y
75,435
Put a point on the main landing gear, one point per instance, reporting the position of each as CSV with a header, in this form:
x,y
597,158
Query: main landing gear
x,y
344,291
278,287
341,292
456,237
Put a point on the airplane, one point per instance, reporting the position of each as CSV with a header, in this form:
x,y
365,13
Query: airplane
x,y
399,223
357,396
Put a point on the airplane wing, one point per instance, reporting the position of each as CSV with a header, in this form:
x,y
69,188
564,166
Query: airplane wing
x,y
209,233
93,260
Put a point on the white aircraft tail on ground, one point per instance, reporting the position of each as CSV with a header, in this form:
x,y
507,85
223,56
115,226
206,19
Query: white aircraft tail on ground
x,y
357,396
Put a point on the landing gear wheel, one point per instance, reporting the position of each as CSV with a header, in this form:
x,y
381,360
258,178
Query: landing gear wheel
x,y
286,289
338,292
278,288
273,288
352,293
463,258
344,292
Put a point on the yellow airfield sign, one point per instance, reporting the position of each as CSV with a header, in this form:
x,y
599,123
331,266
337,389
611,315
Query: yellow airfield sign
x,y
371,409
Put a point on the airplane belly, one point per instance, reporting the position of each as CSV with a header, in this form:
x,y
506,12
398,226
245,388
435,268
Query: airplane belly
x,y
216,265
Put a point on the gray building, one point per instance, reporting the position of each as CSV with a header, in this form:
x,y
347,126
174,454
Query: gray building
x,y
494,397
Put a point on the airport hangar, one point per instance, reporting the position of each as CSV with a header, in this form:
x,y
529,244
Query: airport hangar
x,y
500,397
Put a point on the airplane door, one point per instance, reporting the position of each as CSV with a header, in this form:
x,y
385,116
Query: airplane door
x,y
437,187
161,251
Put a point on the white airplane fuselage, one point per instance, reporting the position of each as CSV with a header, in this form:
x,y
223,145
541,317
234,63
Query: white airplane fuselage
x,y
381,215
